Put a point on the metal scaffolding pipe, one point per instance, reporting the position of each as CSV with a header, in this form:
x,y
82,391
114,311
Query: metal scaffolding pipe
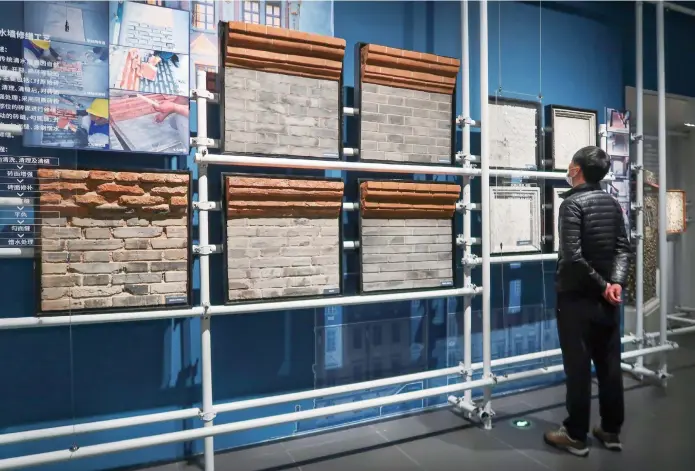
x,y
639,262
466,150
195,434
204,230
663,241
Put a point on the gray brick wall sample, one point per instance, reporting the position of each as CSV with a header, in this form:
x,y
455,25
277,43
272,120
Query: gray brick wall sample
x,y
277,114
406,254
404,125
282,257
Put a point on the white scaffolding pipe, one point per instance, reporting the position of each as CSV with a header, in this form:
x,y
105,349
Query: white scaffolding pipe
x,y
536,257
485,206
207,413
29,322
195,434
99,426
663,240
639,262
685,309
684,320
466,150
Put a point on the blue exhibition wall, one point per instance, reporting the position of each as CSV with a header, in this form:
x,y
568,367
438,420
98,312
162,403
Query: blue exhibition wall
x,y
62,376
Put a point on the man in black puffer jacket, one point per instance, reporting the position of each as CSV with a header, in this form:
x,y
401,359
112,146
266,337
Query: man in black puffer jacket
x,y
593,262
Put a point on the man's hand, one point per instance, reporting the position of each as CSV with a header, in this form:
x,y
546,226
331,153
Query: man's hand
x,y
613,293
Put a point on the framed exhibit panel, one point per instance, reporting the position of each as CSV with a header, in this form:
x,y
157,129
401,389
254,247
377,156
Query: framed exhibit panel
x,y
283,237
281,92
557,201
407,237
112,240
572,129
406,103
515,133
515,219
676,217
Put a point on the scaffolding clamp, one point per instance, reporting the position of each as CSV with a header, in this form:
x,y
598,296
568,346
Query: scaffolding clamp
x,y
463,121
470,259
636,137
637,167
465,207
207,416
206,249
467,373
636,207
207,205
202,93
636,235
205,142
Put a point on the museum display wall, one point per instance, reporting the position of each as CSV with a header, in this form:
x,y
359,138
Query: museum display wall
x,y
406,105
406,235
112,240
281,91
283,237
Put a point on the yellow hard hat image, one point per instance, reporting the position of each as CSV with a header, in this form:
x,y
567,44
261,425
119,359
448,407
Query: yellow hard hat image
x,y
41,44
99,107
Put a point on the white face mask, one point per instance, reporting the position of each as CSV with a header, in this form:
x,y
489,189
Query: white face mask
x,y
568,178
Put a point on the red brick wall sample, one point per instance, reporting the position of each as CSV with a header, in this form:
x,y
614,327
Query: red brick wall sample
x,y
112,239
268,197
393,67
406,200
128,107
280,50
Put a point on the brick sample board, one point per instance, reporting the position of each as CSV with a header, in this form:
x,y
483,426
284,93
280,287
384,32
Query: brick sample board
x,y
281,93
282,237
515,133
113,240
515,220
406,235
406,105
572,129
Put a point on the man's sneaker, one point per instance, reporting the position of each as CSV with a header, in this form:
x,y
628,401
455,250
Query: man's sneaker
x,y
560,439
609,440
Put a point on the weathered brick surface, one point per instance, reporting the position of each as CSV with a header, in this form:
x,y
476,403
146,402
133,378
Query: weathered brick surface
x,y
408,200
279,114
282,257
280,91
406,234
100,249
283,237
406,254
402,125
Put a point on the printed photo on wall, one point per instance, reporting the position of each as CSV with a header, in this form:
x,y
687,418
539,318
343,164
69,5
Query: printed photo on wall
x,y
618,144
141,25
74,22
620,166
147,71
618,121
148,122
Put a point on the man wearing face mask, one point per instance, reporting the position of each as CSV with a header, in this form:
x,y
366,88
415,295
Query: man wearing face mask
x,y
593,261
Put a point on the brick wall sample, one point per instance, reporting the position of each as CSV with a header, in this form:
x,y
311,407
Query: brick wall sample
x,y
406,235
283,237
116,240
515,133
406,102
280,92
572,129
515,219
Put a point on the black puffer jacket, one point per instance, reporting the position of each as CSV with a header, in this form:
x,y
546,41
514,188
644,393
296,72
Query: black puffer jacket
x,y
594,249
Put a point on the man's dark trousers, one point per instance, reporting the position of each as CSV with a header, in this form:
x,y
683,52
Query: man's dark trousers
x,y
589,329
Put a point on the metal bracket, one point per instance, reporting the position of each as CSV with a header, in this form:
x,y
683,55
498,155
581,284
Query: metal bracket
x,y
74,447
472,286
471,259
207,206
205,142
202,93
461,207
461,242
466,373
206,249
207,416
635,235
463,121
637,167
636,207
636,137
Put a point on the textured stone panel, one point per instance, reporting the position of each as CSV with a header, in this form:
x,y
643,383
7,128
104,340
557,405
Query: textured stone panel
x,y
399,254
572,130
402,125
406,235
280,91
280,115
406,105
515,221
675,207
513,134
283,237
112,239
